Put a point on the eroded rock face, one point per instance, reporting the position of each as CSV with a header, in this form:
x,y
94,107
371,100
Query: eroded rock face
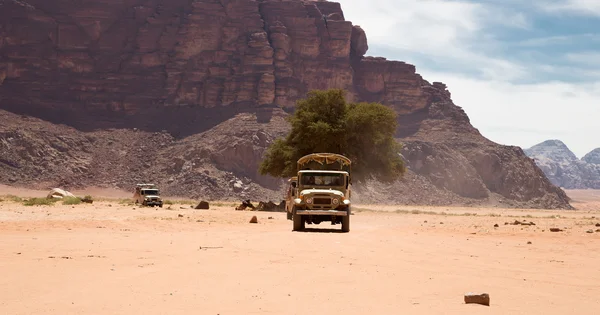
x,y
130,63
211,74
445,169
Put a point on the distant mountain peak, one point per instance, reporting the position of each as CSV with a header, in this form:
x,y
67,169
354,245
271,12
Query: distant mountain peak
x,y
593,157
563,168
552,142
554,149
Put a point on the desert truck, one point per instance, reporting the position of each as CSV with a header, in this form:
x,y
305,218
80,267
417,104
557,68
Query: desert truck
x,y
320,191
147,195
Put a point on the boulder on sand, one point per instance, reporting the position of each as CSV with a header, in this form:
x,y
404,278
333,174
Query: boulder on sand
x,y
59,193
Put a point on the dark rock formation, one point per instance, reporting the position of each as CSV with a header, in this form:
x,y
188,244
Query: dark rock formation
x,y
563,168
200,69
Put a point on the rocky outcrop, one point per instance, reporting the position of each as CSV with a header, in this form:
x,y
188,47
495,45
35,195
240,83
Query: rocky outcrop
x,y
41,155
188,72
563,168
220,164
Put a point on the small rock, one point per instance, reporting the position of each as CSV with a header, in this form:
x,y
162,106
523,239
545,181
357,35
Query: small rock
x,y
528,242
180,215
517,222
590,231
555,230
496,225
270,218
254,219
598,224
481,298
202,205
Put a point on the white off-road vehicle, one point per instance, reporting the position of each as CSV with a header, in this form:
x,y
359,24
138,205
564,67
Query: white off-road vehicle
x,y
147,195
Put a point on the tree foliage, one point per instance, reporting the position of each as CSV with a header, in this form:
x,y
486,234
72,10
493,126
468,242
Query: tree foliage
x,y
324,122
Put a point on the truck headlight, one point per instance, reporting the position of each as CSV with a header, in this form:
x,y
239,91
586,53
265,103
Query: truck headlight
x,y
335,201
308,200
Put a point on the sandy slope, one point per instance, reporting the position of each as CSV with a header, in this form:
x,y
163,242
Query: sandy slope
x,y
111,258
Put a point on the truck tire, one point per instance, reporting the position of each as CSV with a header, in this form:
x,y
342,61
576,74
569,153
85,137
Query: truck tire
x,y
298,221
346,222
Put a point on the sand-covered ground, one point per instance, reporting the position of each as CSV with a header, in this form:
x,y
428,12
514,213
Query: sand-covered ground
x,y
111,257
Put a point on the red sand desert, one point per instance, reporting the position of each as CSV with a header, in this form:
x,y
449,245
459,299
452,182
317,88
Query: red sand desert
x,y
111,257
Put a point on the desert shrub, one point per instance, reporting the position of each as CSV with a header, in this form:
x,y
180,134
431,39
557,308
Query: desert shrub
x,y
71,201
87,199
12,198
40,201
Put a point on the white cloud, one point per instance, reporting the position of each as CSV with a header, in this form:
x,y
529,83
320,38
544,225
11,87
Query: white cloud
x,y
525,115
586,58
447,30
458,37
558,40
586,7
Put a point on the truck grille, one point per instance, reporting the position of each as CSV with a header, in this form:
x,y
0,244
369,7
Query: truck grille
x,y
322,201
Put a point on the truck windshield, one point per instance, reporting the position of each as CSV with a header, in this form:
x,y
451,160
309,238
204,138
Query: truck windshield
x,y
150,192
320,179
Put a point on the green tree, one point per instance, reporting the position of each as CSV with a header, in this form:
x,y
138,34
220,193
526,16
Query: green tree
x,y
324,122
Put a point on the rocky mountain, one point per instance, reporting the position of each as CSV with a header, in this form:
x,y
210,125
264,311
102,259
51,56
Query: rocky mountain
x,y
190,93
563,168
593,157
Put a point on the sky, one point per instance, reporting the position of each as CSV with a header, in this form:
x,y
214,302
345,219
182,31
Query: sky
x,y
523,71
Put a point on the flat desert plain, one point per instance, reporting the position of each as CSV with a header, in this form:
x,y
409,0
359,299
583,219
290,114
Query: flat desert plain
x,y
111,257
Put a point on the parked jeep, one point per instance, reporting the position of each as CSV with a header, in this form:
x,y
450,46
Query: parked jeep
x,y
147,195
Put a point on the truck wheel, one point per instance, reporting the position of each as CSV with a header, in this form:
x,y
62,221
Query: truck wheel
x,y
298,221
346,222
160,205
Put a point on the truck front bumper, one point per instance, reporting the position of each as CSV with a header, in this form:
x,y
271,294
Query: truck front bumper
x,y
341,213
153,203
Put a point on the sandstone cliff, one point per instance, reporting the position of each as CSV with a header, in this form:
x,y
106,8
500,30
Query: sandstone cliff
x,y
563,168
196,69
157,64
